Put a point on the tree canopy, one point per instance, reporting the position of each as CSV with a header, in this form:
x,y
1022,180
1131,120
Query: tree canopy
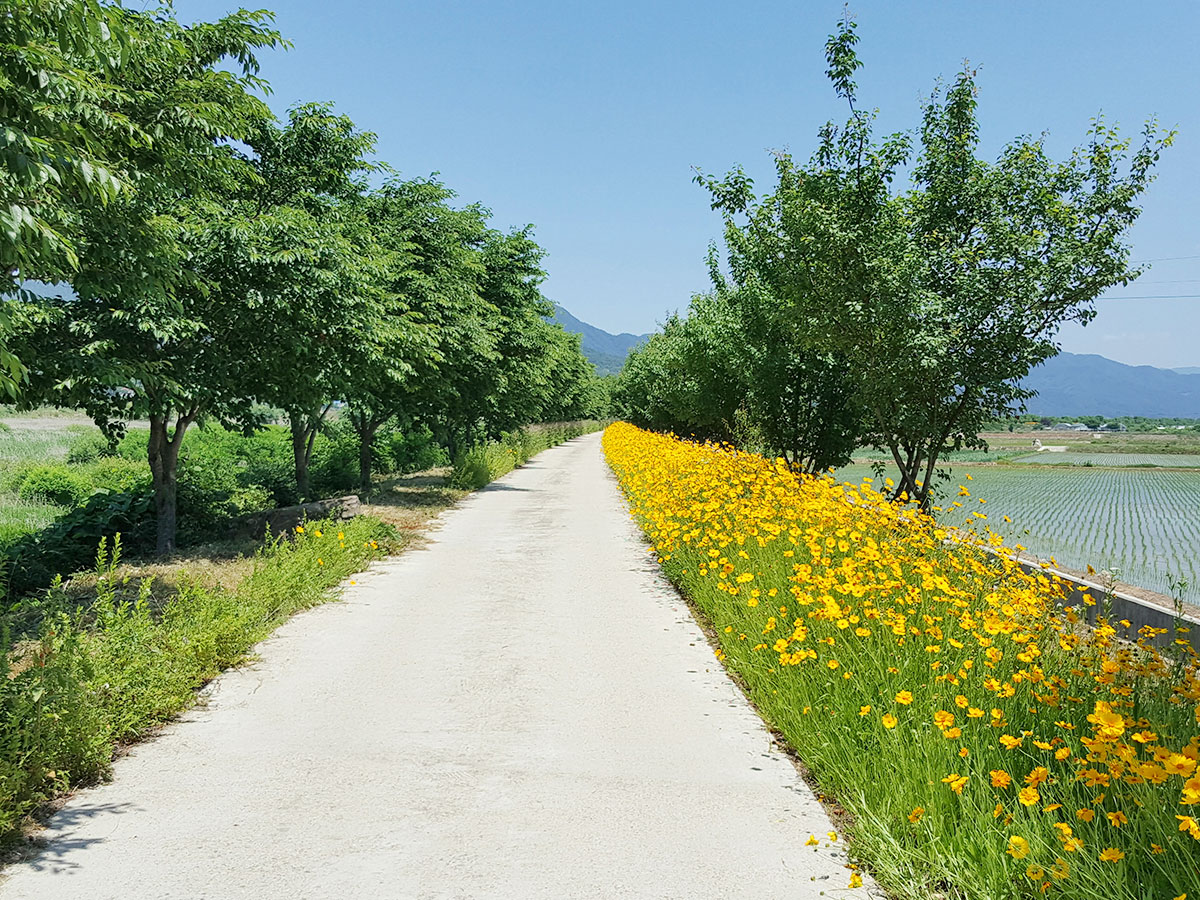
x,y
213,262
903,318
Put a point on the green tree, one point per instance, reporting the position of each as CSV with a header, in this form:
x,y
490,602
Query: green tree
x,y
299,248
940,298
146,334
688,378
62,130
433,279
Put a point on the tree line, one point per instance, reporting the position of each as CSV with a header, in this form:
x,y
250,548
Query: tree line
x,y
846,312
216,262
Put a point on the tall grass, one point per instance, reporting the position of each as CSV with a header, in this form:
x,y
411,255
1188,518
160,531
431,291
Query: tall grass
x,y
40,444
483,464
87,676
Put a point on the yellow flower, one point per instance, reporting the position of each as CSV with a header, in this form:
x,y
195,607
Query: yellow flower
x,y
812,841
904,698
956,782
1111,854
1060,870
855,880
1018,847
1117,818
915,815
1037,873
889,721
1000,778
1028,796
864,710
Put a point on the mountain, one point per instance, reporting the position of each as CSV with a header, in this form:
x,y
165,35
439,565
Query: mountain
x,y
606,351
1073,384
1070,384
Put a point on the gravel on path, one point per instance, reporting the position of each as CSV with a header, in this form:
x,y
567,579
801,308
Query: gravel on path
x,y
520,708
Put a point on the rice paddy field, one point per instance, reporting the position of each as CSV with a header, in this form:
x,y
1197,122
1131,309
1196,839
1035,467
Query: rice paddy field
x,y
1069,458
1144,522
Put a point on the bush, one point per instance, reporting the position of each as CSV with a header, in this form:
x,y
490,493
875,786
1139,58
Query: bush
x,y
401,452
69,543
89,446
112,473
55,484
333,468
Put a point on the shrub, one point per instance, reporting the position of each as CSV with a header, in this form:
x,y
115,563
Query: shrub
x,y
53,484
90,446
69,543
401,452
112,473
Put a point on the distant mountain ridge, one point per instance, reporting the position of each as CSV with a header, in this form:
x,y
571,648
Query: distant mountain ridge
x,y
606,351
1070,384
1085,384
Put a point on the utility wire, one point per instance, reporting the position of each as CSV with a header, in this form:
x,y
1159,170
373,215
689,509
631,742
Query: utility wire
x,y
1163,259
1152,297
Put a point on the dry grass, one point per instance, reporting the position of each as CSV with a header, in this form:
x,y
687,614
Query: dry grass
x,y
409,502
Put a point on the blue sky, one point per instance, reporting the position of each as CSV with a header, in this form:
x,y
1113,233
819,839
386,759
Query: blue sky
x,y
587,119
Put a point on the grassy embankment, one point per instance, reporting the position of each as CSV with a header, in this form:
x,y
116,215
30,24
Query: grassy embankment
x,y
985,741
484,464
107,655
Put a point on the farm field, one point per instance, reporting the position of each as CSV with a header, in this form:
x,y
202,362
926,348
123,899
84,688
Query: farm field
x,y
1145,522
1069,458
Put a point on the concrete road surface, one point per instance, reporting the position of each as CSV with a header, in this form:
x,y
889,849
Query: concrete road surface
x,y
522,708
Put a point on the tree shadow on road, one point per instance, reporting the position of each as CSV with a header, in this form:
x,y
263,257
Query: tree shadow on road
x,y
53,854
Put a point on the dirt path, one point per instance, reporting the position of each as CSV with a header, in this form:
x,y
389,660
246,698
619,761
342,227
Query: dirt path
x,y
521,708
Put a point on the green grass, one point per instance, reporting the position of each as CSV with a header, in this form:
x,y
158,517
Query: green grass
x,y
19,517
103,669
40,444
483,464
1144,522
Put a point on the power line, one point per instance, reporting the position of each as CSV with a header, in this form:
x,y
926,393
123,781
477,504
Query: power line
x,y
1163,259
1153,297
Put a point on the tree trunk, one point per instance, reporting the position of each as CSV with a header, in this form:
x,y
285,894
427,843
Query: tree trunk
x,y
304,427
163,454
366,428
301,450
